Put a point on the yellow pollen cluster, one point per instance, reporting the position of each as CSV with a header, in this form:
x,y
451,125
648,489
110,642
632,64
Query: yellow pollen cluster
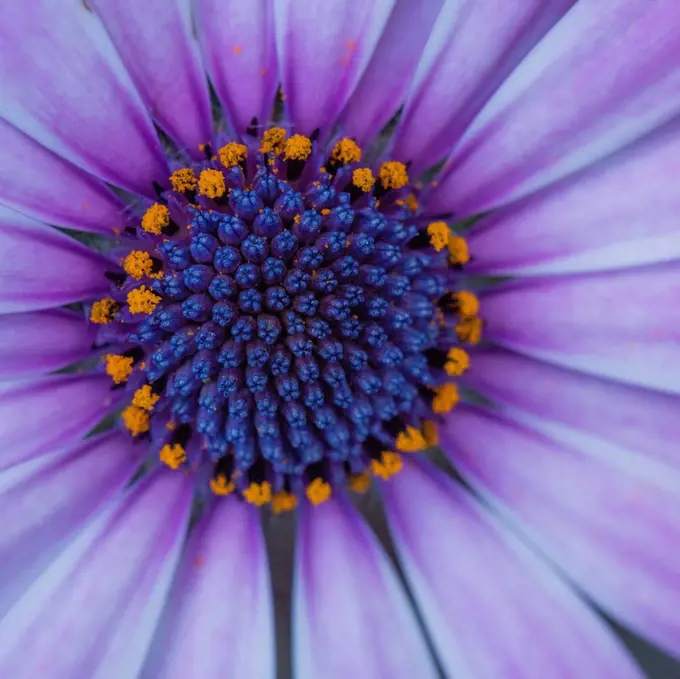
x,y
298,147
258,494
467,303
318,491
155,219
220,485
211,184
145,398
458,250
138,264
142,300
232,154
272,140
410,441
393,174
346,151
430,433
359,483
439,233
172,455
458,361
363,178
446,398
103,311
470,330
119,368
283,502
183,180
136,420
388,465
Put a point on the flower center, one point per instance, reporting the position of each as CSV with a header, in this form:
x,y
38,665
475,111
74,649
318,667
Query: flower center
x,y
285,315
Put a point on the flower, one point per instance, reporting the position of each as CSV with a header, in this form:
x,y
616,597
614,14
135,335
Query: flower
x,y
289,310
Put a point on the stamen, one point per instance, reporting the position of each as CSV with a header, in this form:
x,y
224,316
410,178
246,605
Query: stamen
x,y
346,151
298,147
388,465
183,180
318,491
145,398
155,219
445,399
142,300
458,362
439,234
363,178
258,494
467,304
103,311
283,502
119,368
359,483
220,485
393,175
211,184
173,455
272,140
470,330
458,251
410,441
233,154
138,264
430,433
136,420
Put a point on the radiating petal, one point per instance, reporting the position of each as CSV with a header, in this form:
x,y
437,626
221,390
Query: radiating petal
x,y
613,415
44,501
460,70
606,75
622,325
42,267
611,527
220,608
324,48
94,610
622,212
64,85
155,42
387,78
351,617
492,607
49,413
239,49
41,341
43,185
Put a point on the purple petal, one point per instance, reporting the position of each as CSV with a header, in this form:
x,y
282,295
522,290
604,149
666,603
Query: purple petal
x,y
492,607
64,85
42,341
387,78
201,636
610,526
43,503
459,71
39,183
621,212
324,48
620,325
614,416
351,617
49,413
155,43
238,44
606,75
42,267
94,610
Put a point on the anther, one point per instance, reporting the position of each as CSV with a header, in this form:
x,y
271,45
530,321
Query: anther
x,y
410,441
211,184
136,420
156,219
258,494
221,486
142,300
118,367
172,455
145,398
387,466
318,491
393,175
283,502
439,234
272,140
103,311
458,361
445,399
183,180
359,483
138,264
233,154
458,251
470,330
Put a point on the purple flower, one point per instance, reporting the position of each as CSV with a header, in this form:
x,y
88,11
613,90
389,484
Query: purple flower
x,y
402,224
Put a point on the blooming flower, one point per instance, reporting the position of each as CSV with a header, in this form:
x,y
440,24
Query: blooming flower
x,y
271,308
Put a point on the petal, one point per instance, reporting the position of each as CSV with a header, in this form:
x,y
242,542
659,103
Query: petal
x,y
64,85
609,526
155,43
41,341
239,49
44,501
384,85
614,416
42,267
343,578
323,50
201,637
622,212
620,325
43,185
606,75
49,413
107,587
493,609
459,72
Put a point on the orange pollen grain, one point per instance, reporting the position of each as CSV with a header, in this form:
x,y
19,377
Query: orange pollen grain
x,y
467,303
173,455
155,219
119,368
297,147
283,502
258,494
211,184
346,151
103,311
272,140
393,174
363,178
136,420
412,203
410,441
458,361
389,464
470,330
183,180
446,398
233,154
318,491
439,233
145,398
458,250
142,300
138,264
220,485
